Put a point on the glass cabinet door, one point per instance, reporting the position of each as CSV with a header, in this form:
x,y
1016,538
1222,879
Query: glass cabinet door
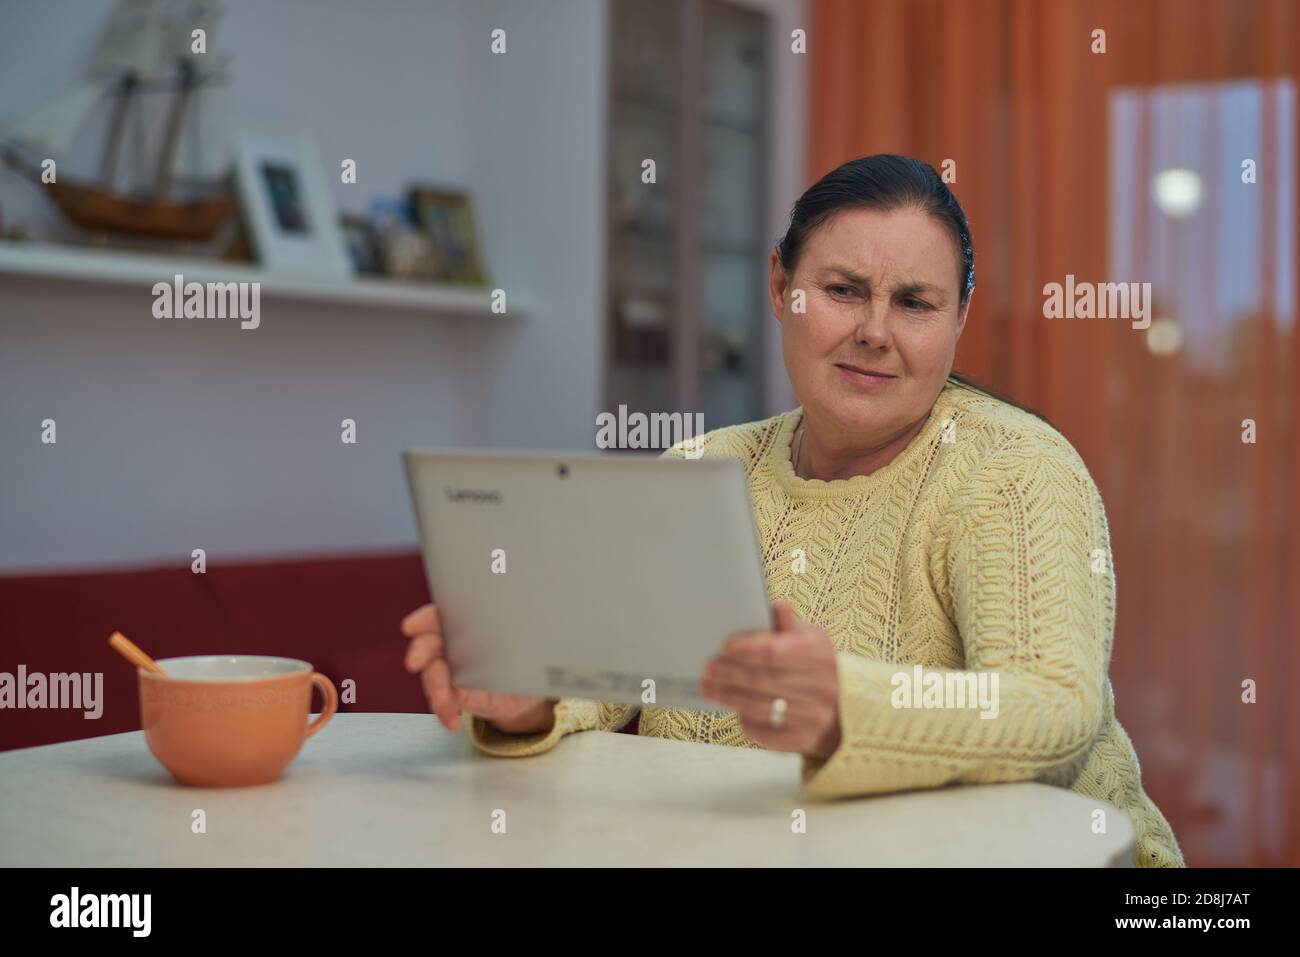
x,y
644,121
733,260
687,258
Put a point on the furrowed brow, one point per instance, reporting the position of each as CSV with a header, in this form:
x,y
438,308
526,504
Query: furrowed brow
x,y
915,287
844,272
908,288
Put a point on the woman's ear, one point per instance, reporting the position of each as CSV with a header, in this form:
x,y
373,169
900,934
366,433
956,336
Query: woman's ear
x,y
776,283
962,312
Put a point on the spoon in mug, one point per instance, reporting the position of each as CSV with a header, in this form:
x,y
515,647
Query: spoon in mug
x,y
124,647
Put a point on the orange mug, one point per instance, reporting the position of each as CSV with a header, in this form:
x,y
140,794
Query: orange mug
x,y
230,720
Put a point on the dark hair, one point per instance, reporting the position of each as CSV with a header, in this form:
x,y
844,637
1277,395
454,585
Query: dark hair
x,y
886,182
976,387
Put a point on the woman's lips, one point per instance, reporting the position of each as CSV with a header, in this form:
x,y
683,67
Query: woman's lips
x,y
864,380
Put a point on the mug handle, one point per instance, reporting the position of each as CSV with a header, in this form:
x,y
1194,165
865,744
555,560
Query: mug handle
x,y
331,697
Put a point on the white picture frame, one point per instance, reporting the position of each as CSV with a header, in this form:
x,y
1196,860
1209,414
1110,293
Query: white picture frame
x,y
288,209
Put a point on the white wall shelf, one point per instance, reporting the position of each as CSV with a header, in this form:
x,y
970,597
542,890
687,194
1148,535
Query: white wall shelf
x,y
94,265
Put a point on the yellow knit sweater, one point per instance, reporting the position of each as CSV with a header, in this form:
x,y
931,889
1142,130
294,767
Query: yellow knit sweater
x,y
984,546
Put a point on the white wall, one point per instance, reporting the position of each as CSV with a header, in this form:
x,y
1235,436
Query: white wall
x,y
540,154
177,436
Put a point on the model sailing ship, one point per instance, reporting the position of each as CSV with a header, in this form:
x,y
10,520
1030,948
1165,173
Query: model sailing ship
x,y
144,69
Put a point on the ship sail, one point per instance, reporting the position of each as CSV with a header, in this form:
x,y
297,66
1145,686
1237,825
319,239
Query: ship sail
x,y
147,38
50,130
131,42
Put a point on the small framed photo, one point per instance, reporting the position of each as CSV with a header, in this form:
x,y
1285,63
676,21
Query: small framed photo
x,y
405,251
363,250
287,205
446,218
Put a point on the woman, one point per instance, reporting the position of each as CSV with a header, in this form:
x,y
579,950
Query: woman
x,y
919,533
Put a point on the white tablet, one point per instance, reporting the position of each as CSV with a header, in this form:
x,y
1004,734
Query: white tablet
x,y
609,577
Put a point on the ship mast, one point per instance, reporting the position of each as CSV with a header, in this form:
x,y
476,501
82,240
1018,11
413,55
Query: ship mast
x,y
167,160
126,89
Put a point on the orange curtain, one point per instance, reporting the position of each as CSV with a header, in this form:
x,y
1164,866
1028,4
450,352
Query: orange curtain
x,y
1071,161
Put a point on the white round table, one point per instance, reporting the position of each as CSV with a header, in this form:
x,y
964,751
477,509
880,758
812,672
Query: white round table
x,y
398,789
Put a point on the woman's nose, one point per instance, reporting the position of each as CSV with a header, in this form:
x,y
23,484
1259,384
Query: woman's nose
x,y
873,322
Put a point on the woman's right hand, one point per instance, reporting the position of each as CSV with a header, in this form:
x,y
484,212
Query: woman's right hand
x,y
511,713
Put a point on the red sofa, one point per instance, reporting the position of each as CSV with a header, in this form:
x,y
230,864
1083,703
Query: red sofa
x,y
341,614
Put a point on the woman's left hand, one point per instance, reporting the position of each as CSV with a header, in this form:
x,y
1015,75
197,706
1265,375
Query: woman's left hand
x,y
796,662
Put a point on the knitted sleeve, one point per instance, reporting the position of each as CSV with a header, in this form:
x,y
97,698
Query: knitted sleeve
x,y
1031,591
571,715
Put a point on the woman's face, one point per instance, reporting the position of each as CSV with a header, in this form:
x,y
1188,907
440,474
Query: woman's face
x,y
880,294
